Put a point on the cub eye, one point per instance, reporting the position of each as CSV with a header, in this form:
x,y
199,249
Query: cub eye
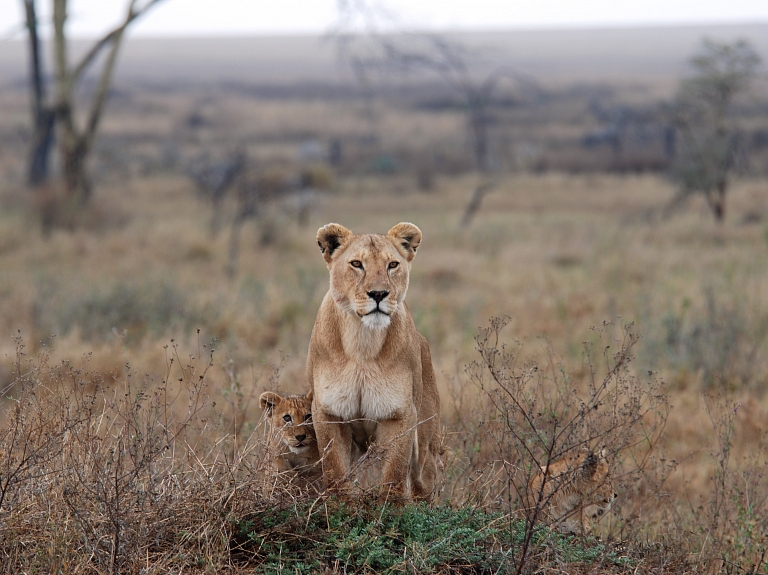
x,y
287,418
356,263
308,417
393,265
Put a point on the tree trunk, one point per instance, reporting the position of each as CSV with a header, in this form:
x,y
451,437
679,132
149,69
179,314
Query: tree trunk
x,y
77,182
234,244
716,201
43,117
479,131
42,142
474,203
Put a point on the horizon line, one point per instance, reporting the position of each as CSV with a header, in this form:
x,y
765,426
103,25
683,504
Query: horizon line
x,y
569,27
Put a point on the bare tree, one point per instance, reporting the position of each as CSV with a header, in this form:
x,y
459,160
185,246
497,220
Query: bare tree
x,y
440,55
452,62
74,139
214,179
702,115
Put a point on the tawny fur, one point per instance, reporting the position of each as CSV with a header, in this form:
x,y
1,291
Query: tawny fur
x,y
290,421
369,367
577,488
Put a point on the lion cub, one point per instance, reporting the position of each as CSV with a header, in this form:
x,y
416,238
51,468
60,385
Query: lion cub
x,y
290,418
577,487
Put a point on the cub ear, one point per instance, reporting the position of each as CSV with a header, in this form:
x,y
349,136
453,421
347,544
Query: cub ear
x,y
310,395
269,400
407,238
589,465
330,237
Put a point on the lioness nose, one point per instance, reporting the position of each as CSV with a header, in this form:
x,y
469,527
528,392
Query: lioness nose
x,y
301,437
377,296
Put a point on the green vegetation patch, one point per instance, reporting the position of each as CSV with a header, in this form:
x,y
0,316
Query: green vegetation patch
x,y
307,538
130,309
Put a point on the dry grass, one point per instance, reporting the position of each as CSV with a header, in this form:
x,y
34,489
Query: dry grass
x,y
130,472
556,253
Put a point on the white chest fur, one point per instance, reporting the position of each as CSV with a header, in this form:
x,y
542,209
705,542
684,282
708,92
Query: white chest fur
x,y
363,391
359,387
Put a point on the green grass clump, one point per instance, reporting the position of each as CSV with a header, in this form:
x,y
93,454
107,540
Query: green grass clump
x,y
307,538
130,309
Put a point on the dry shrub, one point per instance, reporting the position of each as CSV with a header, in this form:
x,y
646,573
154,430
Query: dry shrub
x,y
538,416
528,417
112,474
731,523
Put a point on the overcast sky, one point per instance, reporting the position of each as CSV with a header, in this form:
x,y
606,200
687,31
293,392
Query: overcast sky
x,y
88,18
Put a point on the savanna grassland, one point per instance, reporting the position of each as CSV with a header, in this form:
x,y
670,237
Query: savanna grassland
x,y
111,324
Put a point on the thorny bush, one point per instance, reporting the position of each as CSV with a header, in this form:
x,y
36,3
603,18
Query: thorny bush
x,y
541,416
113,472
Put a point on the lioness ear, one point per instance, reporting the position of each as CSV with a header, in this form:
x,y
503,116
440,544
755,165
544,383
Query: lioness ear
x,y
269,400
330,237
407,238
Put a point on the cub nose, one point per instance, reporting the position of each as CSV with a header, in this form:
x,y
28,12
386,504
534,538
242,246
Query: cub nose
x,y
301,437
377,296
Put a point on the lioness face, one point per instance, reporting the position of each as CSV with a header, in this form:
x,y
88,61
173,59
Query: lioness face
x,y
369,272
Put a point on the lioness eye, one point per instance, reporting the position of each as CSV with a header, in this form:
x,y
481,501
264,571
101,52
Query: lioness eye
x,y
393,265
287,418
308,417
356,263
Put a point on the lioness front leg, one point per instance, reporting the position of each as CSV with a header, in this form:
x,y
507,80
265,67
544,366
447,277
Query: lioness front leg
x,y
334,442
395,436
423,478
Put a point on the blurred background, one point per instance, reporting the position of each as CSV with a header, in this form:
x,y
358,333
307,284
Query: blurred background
x,y
165,165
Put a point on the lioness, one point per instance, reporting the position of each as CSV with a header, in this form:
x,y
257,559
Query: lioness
x,y
369,368
577,486
291,421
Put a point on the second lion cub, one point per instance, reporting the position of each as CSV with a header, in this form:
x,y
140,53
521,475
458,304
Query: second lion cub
x,y
290,419
572,490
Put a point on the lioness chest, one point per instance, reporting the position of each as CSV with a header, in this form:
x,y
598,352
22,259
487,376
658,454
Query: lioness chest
x,y
364,391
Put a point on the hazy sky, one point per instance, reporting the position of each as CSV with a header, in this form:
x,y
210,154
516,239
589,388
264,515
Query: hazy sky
x,y
246,17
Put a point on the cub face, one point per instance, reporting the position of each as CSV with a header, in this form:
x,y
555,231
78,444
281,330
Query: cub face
x,y
370,272
602,497
596,486
597,473
291,418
